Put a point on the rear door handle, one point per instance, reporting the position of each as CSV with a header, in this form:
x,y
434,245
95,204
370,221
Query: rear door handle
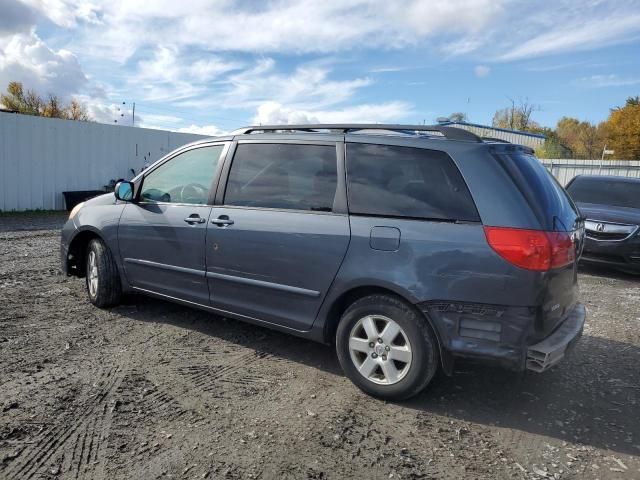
x,y
222,221
194,218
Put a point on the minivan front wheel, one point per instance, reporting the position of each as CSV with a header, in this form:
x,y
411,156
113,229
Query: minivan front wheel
x,y
103,283
386,348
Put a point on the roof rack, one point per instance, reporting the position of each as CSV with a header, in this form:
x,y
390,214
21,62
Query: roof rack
x,y
451,133
494,139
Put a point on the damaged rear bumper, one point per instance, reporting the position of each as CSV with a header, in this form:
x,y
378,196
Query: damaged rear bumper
x,y
551,350
503,335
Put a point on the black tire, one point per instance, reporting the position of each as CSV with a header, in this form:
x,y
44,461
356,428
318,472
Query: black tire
x,y
109,290
423,345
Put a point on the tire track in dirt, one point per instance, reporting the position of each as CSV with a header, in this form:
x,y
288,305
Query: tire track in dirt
x,y
93,418
235,375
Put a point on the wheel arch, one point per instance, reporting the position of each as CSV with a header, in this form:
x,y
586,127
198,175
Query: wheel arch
x,y
77,254
346,298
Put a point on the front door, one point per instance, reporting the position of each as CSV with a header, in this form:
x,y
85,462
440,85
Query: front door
x,y
162,235
276,243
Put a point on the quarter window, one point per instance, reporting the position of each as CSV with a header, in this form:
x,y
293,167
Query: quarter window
x,y
186,178
285,176
392,181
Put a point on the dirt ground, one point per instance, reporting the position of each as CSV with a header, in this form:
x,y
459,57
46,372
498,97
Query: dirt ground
x,y
155,390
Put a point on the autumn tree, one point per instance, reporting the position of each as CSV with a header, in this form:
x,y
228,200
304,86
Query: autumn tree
x,y
622,130
77,111
30,103
553,147
517,116
583,139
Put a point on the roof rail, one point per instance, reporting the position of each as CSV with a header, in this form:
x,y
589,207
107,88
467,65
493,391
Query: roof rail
x,y
451,133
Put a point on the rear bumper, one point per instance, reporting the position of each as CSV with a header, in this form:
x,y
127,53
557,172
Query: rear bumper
x,y
502,335
551,350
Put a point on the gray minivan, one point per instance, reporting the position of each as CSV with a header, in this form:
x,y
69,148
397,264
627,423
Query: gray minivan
x,y
405,246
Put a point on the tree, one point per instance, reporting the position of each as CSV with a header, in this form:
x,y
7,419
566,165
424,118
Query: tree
x,y
53,108
583,139
622,130
30,103
77,111
517,116
458,117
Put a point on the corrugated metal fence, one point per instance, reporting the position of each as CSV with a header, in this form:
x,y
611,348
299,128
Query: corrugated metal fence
x,y
42,157
565,169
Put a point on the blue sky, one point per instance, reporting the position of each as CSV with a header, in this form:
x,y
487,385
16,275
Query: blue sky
x,y
211,66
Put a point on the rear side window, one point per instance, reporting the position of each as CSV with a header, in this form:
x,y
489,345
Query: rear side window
x,y
605,191
546,197
284,176
393,181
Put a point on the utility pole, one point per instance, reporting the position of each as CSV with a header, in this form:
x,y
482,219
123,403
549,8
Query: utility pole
x,y
133,116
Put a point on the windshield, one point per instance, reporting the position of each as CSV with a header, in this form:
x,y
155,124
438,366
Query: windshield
x,y
605,191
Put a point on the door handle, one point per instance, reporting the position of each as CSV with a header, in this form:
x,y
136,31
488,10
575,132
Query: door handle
x,y
193,219
222,221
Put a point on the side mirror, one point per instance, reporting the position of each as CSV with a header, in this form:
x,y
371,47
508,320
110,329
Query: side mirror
x,y
124,191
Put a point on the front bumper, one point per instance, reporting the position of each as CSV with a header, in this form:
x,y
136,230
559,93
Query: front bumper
x,y
551,350
622,254
68,231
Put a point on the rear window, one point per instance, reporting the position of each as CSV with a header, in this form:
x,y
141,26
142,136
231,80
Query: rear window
x,y
391,181
546,197
605,191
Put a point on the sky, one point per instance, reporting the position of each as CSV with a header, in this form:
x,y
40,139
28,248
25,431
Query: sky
x,y
210,66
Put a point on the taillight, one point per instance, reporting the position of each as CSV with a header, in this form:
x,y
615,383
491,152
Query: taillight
x,y
532,249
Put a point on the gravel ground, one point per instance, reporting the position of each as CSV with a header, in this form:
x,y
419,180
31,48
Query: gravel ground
x,y
155,390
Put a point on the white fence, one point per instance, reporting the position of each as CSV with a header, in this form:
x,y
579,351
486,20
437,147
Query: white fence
x,y
565,169
42,157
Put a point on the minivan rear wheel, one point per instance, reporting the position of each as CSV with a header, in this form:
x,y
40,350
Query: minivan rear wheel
x,y
103,283
386,347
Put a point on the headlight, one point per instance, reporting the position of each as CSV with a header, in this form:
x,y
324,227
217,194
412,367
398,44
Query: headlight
x,y
75,210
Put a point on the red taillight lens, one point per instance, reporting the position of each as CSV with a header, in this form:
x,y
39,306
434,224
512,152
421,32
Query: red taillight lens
x,y
532,249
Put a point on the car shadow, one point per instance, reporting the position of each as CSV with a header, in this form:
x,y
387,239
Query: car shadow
x,y
592,397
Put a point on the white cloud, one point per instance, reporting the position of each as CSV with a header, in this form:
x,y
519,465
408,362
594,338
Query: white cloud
x,y
308,87
481,71
208,130
611,80
291,26
585,31
28,59
170,74
273,113
66,13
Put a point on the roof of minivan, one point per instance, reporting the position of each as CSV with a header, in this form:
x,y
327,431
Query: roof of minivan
x,y
392,132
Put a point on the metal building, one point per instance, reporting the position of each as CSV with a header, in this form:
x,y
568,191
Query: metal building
x,y
532,140
42,157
